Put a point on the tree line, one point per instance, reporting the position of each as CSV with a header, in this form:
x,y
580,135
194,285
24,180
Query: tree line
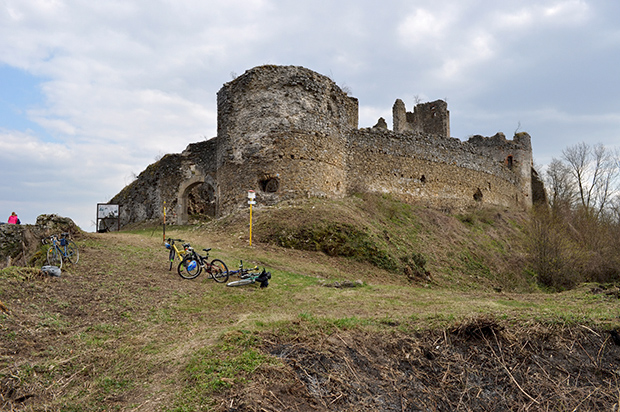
x,y
575,237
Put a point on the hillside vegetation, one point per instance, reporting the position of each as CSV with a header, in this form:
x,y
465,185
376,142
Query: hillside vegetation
x,y
373,305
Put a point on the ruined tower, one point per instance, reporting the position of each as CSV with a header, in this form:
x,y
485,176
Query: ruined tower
x,y
282,131
428,118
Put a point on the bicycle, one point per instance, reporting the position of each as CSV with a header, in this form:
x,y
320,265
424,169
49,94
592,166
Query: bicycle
x,y
243,272
62,249
174,250
262,277
193,264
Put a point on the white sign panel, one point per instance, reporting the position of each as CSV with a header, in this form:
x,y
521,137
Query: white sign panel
x,y
106,211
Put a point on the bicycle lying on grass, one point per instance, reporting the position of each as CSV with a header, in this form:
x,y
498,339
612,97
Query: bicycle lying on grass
x,y
174,250
63,250
256,277
243,272
193,264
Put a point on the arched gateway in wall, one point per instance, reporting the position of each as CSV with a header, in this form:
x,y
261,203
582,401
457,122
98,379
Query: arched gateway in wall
x,y
196,195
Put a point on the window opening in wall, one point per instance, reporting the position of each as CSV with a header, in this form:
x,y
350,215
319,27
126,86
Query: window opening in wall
x,y
509,161
423,179
269,185
478,195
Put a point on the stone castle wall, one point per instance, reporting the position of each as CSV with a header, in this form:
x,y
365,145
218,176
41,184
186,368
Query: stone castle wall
x,y
277,128
288,132
144,198
444,172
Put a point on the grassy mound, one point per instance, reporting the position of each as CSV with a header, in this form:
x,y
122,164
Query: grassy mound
x,y
472,248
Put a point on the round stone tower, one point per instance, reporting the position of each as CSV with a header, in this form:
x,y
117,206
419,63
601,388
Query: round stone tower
x,y
282,133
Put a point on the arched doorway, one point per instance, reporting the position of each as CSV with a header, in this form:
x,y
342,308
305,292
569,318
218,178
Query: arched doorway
x,y
196,199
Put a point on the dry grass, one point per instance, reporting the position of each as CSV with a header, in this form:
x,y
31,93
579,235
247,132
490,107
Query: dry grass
x,y
120,332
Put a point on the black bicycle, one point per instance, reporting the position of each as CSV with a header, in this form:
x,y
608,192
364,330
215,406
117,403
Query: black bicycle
x,y
193,264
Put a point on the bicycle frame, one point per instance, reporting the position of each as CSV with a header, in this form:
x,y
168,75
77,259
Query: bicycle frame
x,y
243,272
175,251
193,264
62,248
261,277
203,261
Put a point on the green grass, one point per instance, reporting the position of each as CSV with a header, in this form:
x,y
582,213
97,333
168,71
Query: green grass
x,y
211,369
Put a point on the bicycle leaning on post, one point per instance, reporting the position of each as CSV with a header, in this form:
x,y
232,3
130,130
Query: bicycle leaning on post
x,y
192,265
175,251
62,250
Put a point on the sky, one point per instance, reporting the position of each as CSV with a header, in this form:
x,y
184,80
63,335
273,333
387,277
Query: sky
x,y
92,92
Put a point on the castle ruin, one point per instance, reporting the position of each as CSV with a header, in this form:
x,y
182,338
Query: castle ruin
x,y
287,132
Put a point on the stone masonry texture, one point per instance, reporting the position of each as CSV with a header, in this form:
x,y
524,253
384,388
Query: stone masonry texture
x,y
287,132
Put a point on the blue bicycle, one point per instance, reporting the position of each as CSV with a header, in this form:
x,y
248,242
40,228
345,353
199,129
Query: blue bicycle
x,y
249,275
63,250
243,272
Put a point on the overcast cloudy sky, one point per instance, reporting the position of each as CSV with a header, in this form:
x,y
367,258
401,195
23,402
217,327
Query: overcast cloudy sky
x,y
92,92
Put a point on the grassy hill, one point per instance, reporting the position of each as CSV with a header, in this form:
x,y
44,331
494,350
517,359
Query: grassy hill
x,y
441,314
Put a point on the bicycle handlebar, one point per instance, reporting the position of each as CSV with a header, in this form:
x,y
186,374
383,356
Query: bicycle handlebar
x,y
44,240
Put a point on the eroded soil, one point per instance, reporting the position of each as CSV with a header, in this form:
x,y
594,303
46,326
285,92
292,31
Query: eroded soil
x,y
479,366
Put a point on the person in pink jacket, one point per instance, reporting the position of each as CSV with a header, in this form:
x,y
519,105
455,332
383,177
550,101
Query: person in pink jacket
x,y
13,219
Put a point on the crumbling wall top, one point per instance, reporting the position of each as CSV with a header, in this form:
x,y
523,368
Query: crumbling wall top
x,y
430,118
292,97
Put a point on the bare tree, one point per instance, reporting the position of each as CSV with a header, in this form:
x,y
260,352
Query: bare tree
x,y
561,185
594,170
607,162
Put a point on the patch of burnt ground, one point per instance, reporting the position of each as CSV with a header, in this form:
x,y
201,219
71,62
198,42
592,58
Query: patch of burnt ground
x,y
479,365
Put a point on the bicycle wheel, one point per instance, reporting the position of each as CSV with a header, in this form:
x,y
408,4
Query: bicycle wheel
x,y
241,282
72,254
171,258
189,268
219,271
54,257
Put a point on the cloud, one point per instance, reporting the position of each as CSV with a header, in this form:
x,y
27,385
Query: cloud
x,y
422,27
117,83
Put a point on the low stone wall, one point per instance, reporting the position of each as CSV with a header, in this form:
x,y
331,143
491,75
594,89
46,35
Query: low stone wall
x,y
18,243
